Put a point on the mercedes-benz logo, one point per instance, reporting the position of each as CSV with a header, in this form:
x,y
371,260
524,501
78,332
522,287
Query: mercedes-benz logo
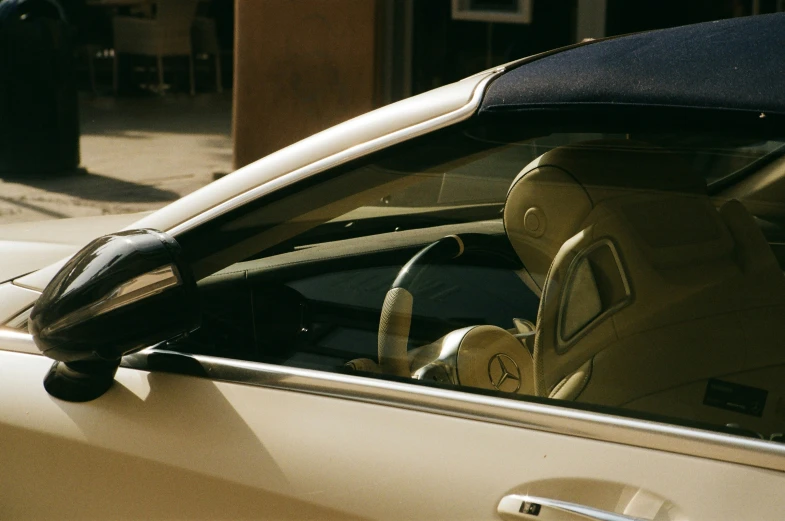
x,y
504,373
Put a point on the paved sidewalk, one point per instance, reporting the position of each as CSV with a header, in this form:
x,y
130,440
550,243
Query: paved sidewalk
x,y
139,154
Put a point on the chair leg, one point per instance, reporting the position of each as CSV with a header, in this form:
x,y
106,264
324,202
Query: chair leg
x,y
150,71
91,68
115,73
218,76
160,75
191,73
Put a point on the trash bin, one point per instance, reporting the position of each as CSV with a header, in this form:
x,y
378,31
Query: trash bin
x,y
39,108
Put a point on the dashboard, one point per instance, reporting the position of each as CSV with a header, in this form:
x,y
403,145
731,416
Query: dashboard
x,y
320,309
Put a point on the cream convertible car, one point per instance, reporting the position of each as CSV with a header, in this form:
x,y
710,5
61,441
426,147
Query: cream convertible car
x,y
553,290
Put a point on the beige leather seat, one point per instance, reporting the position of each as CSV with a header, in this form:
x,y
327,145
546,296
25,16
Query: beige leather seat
x,y
647,289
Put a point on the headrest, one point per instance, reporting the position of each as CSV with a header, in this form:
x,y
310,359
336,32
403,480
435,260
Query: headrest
x,y
550,198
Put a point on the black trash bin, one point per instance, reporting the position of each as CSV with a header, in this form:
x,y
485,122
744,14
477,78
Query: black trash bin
x,y
39,108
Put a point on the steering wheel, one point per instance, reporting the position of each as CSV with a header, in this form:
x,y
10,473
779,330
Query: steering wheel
x,y
396,316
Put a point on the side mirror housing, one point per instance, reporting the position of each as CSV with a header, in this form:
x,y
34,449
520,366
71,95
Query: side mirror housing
x,y
121,293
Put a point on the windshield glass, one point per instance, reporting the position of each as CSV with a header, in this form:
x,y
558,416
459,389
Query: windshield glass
x,y
465,176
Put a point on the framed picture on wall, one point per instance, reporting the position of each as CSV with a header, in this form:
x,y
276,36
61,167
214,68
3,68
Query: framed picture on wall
x,y
507,11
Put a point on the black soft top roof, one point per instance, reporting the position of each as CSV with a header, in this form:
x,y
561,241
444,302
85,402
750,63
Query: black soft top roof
x,y
736,65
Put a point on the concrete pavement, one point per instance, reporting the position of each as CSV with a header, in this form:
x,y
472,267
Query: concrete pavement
x,y
139,154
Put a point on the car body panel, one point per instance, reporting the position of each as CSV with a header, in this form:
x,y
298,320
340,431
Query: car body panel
x,y
275,454
20,257
33,245
38,280
13,299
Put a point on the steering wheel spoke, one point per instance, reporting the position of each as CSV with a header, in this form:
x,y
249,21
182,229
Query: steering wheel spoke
x,y
397,313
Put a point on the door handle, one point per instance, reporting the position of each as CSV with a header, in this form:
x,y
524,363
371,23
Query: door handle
x,y
540,508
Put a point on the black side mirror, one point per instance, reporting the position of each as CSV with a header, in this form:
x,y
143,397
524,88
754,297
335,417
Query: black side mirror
x,y
121,293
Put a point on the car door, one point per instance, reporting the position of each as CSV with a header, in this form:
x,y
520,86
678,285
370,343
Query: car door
x,y
194,433
256,441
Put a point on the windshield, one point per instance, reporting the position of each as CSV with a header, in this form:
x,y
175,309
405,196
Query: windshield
x,y
465,176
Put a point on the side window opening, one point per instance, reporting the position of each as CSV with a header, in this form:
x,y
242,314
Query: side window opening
x,y
590,269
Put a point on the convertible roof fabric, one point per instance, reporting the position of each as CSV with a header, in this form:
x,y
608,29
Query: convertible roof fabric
x,y
736,64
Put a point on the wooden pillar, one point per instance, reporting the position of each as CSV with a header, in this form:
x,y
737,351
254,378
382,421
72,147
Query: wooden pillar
x,y
300,67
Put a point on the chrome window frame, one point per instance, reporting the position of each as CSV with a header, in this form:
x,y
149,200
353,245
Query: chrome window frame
x,y
520,413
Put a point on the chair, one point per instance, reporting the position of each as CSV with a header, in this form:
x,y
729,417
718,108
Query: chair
x,y
168,34
204,37
648,290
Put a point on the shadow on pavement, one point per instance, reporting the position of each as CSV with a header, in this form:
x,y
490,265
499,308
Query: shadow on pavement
x,y
97,187
34,207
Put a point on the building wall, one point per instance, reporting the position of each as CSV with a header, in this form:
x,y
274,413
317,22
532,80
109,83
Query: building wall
x,y
300,67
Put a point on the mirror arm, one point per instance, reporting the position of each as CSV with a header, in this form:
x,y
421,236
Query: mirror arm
x,y
80,381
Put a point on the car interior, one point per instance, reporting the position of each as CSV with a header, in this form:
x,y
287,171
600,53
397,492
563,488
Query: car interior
x,y
605,272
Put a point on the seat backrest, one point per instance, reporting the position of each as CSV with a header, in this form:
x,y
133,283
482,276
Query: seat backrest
x,y
652,289
550,198
176,13
204,36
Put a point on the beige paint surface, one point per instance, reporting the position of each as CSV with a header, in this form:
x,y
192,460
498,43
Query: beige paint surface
x,y
300,68
165,446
